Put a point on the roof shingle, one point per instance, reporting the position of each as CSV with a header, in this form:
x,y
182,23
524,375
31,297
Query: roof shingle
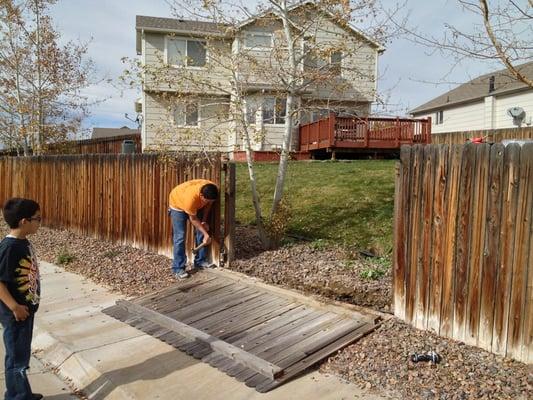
x,y
181,25
478,88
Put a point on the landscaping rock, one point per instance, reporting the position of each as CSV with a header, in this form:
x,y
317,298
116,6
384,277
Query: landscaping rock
x,y
381,360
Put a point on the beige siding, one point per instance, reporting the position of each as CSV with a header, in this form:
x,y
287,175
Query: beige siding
x,y
503,103
163,134
358,66
356,87
212,78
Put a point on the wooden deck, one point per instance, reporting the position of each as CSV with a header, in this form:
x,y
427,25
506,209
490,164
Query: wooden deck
x,y
340,133
259,336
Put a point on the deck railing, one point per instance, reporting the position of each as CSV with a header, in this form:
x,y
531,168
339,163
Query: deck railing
x,y
342,132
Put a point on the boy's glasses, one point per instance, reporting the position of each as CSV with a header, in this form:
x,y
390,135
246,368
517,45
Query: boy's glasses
x,y
35,219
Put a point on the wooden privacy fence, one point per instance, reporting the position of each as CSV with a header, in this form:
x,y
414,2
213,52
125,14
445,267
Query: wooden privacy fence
x,y
491,135
109,145
463,247
120,198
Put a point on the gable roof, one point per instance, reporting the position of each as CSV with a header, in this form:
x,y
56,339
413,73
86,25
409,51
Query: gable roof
x,y
205,28
295,6
478,88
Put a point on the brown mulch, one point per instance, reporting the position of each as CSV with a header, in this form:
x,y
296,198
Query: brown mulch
x,y
379,361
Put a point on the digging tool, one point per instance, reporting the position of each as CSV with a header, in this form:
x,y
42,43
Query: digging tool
x,y
200,246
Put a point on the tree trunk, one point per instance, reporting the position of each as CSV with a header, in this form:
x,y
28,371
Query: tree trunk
x,y
40,135
284,158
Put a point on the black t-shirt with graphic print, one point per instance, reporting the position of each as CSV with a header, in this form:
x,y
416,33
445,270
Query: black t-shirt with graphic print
x,y
19,271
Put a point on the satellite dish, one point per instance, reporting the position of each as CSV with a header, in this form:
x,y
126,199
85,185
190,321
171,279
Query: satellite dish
x,y
517,114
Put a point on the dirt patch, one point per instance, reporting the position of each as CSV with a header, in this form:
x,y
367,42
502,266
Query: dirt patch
x,y
326,272
379,361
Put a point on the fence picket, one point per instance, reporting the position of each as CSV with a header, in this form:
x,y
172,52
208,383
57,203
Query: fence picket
x,y
491,247
516,335
109,196
479,284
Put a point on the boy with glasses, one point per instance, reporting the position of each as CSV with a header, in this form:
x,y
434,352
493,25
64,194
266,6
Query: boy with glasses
x,y
20,292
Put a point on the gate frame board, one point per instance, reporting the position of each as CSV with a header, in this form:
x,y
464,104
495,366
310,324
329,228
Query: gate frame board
x,y
220,346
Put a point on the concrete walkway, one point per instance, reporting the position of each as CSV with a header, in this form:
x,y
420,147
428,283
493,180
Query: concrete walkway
x,y
42,380
108,359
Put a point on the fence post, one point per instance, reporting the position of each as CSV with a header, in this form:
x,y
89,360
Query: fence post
x,y
229,212
331,129
428,131
398,131
366,132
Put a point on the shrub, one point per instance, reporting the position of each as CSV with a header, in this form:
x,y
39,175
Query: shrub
x,y
65,257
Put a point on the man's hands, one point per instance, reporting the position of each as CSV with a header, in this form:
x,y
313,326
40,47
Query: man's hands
x,y
20,312
206,226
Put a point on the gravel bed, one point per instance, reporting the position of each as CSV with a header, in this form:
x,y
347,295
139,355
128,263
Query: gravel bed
x,y
380,361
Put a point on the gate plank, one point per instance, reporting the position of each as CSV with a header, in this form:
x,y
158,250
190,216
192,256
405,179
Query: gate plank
x,y
224,348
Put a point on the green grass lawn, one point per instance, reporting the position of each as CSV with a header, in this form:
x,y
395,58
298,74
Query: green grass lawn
x,y
349,203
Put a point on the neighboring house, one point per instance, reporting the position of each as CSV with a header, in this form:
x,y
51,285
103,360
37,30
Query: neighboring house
x,y
103,133
492,101
182,114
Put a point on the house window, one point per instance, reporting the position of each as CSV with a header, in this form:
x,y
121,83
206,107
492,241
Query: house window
x,y
185,52
439,117
258,41
186,114
274,110
251,110
320,114
335,60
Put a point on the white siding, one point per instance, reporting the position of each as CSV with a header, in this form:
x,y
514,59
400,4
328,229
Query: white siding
x,y
467,117
488,113
503,103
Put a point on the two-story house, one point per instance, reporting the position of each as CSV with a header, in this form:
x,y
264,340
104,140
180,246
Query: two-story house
x,y
196,74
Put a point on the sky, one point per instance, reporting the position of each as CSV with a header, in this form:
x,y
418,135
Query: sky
x,y
409,74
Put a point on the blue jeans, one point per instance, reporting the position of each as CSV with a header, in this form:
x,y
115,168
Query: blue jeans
x,y
17,341
179,231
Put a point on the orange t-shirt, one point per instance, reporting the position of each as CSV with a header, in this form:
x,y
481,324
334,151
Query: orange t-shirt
x,y
186,196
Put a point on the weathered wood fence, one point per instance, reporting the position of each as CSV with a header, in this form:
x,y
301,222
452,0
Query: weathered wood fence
x,y
109,145
120,198
463,244
491,135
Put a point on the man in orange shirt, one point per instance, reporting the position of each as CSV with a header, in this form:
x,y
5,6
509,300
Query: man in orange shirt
x,y
191,200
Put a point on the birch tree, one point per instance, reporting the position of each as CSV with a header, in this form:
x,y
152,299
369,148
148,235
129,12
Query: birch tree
x,y
293,62
40,80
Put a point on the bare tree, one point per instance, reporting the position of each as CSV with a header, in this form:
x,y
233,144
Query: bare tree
x,y
504,33
40,80
308,45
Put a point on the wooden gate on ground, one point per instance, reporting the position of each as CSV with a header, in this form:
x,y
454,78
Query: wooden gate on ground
x,y
463,244
117,197
259,336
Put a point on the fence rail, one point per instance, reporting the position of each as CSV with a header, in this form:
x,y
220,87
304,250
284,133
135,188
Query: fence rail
x,y
490,135
120,198
463,244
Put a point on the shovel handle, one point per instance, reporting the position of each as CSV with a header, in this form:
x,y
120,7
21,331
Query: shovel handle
x,y
197,248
